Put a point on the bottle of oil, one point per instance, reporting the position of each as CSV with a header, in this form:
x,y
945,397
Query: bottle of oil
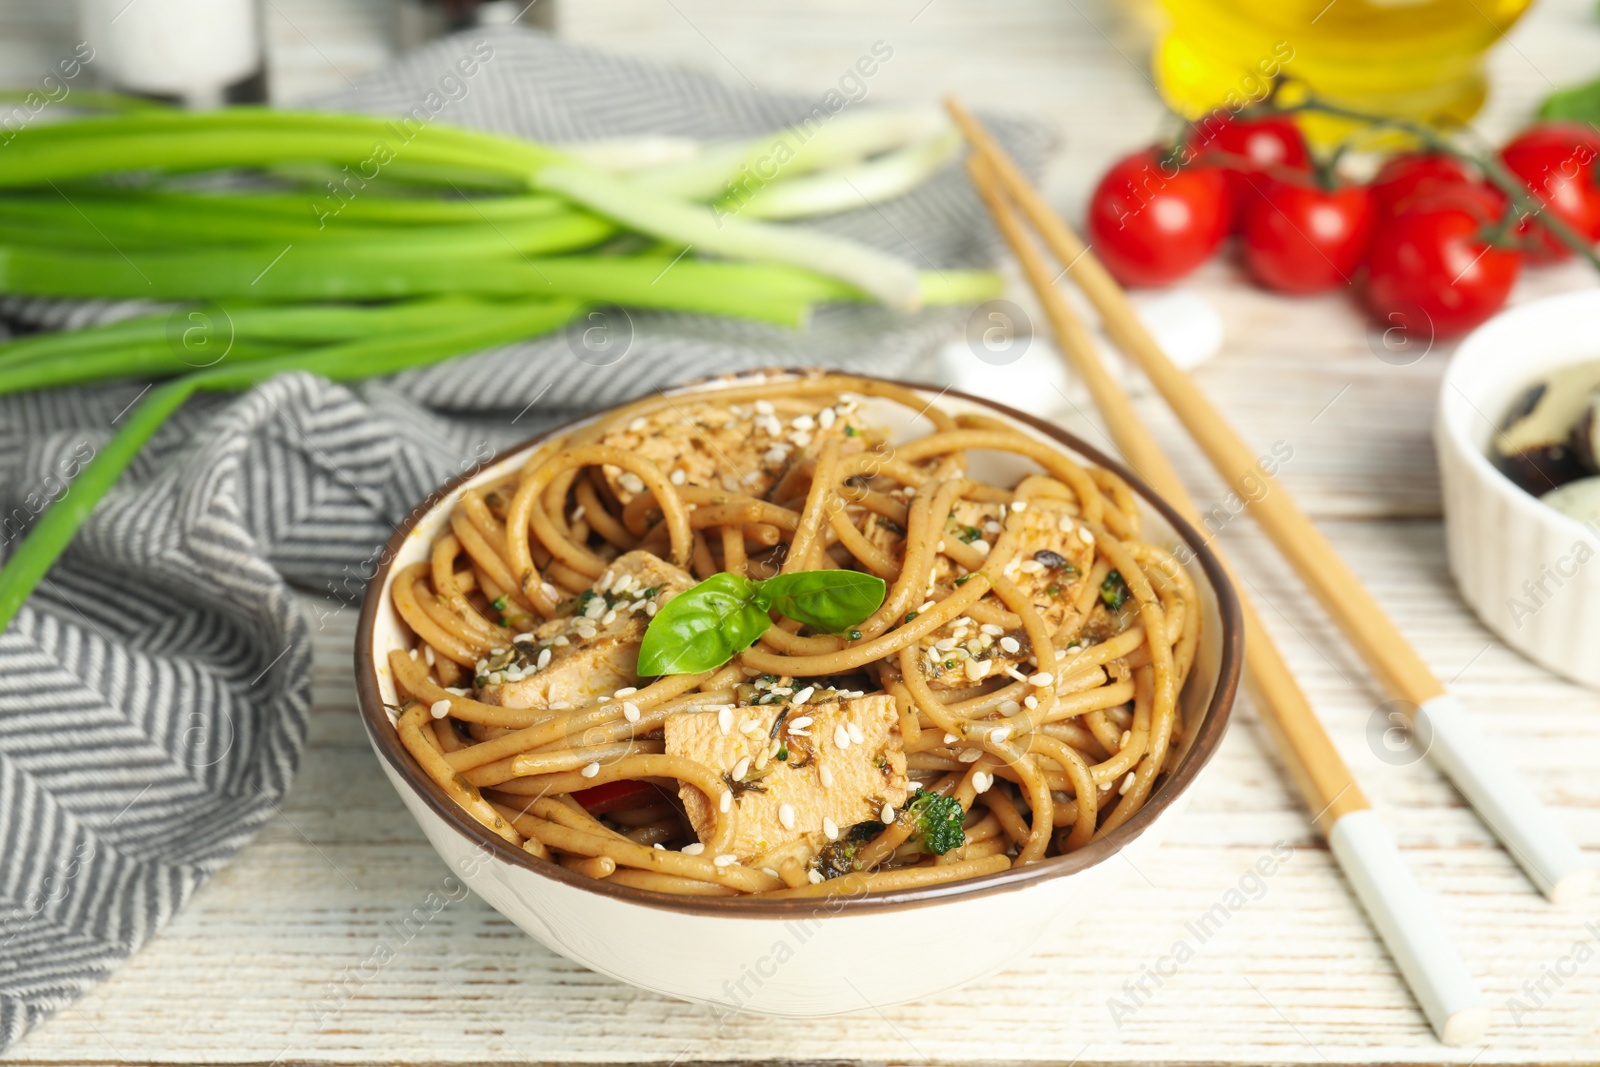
x,y
1416,59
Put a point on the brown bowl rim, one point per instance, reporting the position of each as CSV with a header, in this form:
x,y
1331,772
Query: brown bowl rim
x,y
384,738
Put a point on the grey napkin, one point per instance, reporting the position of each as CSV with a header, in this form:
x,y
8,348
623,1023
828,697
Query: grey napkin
x,y
154,692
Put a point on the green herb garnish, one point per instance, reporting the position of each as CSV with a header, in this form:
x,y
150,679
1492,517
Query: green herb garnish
x,y
704,627
1113,591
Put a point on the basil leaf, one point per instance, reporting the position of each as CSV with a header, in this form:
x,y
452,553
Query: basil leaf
x,y
826,601
702,628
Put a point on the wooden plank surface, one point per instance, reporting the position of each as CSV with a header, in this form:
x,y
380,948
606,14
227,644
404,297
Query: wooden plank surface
x,y
270,962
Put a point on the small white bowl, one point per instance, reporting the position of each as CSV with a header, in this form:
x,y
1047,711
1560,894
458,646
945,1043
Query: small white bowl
x,y
798,957
1531,573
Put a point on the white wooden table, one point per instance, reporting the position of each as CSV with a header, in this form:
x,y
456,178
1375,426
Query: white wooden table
x,y
246,974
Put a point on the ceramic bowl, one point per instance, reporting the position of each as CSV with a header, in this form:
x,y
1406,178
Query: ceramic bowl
x,y
1529,571
799,957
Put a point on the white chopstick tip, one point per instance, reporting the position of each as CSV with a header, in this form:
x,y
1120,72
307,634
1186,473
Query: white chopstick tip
x,y
1466,1027
1573,886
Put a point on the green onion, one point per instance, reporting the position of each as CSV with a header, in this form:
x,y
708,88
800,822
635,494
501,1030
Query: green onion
x,y
869,183
54,530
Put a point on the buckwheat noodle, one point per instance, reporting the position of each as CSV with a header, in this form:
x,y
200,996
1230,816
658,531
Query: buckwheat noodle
x,y
1043,752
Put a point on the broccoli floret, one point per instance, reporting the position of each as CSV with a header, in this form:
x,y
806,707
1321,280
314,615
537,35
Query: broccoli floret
x,y
937,820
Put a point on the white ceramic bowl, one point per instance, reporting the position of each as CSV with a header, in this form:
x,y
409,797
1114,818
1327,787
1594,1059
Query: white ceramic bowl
x,y
796,957
1530,572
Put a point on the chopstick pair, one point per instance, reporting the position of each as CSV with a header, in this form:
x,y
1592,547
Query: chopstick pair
x,y
1399,910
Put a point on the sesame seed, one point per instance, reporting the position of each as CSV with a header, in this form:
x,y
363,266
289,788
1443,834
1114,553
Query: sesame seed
x,y
800,438
725,802
830,829
855,734
1085,535
427,654
804,695
1127,784
727,859
764,407
560,642
694,849
1030,566
981,547
1010,645
815,877
991,629
775,455
887,814
590,770
1009,708
560,705
440,708
1019,505
741,768
976,669
951,739
841,737
969,755
999,735
769,870
802,422
609,617
786,816
677,477
549,590
981,781
1127,735
826,774
801,723
651,607
626,691
659,847
1042,679
825,417
631,482
638,424
1014,673
925,606
753,726
543,661
622,585
725,720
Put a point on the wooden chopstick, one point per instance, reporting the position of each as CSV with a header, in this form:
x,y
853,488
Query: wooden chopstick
x,y
1440,724
1403,916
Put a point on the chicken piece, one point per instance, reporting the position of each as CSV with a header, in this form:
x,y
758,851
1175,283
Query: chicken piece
x,y
574,659
842,762
1054,560
740,448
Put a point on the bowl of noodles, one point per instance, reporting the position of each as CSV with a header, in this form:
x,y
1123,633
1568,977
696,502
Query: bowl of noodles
x,y
739,691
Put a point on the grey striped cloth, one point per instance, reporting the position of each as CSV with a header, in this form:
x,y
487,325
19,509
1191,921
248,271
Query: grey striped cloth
x,y
154,692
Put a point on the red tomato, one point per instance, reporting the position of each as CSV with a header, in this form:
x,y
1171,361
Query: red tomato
x,y
1249,148
1152,221
616,796
1407,176
1556,161
1301,238
1431,273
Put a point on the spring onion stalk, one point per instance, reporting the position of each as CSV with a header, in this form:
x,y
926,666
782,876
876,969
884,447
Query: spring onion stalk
x,y
193,328
55,529
764,292
868,183
248,137
820,142
178,141
627,155
698,226
382,208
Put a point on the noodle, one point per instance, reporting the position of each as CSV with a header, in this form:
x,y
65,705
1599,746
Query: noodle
x,y
1023,669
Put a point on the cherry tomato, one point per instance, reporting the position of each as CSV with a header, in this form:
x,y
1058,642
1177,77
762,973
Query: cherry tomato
x,y
1431,273
616,796
1152,221
1413,174
1556,161
1301,238
1249,148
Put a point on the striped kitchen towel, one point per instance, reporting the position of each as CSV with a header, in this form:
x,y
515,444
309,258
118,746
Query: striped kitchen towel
x,y
154,692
